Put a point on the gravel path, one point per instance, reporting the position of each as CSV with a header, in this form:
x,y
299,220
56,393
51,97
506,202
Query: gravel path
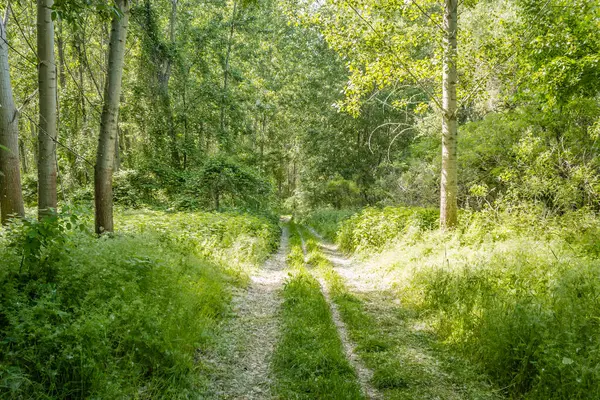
x,y
249,339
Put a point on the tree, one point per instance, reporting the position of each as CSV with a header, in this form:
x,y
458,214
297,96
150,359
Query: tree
x,y
449,183
103,170
11,197
393,44
47,198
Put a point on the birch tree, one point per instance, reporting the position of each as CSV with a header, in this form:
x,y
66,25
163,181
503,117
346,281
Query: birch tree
x,y
103,171
11,198
47,133
449,183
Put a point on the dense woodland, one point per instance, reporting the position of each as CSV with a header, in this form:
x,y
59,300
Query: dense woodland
x,y
436,161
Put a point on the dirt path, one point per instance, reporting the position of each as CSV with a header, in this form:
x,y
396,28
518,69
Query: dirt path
x,y
251,334
364,374
359,277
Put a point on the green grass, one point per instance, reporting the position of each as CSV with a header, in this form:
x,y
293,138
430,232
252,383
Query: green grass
x,y
408,362
115,317
232,238
327,221
309,362
517,295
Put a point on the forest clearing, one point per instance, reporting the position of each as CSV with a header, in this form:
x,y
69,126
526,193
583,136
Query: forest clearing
x,y
287,199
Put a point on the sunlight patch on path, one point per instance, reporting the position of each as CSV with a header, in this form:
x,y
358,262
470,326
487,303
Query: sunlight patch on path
x,y
360,277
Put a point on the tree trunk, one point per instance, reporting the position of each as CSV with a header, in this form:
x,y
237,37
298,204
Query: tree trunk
x,y
226,66
23,155
117,159
449,185
11,197
62,78
47,199
103,170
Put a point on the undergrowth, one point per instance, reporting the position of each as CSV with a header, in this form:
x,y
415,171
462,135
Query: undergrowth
x,y
407,361
309,361
515,291
114,317
232,238
327,221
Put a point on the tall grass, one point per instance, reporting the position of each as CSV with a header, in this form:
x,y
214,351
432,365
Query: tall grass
x,y
327,221
518,293
115,317
309,361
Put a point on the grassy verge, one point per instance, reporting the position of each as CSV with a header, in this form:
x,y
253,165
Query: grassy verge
x,y
408,362
515,293
119,317
309,361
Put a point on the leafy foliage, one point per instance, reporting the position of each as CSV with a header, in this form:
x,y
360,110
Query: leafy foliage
x,y
236,185
372,228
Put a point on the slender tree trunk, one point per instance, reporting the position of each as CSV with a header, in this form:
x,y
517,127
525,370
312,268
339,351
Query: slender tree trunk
x,y
47,198
117,158
449,185
11,197
80,70
61,56
165,82
34,136
226,66
23,155
108,124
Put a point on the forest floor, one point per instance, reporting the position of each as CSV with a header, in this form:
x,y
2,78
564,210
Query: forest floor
x,y
393,354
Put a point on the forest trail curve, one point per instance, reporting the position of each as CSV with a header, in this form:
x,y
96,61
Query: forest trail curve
x,y
251,335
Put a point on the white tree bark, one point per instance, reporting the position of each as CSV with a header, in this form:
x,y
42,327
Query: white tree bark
x,y
449,184
11,197
47,199
105,156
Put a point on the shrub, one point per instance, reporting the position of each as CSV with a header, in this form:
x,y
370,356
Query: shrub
x,y
234,238
230,184
373,228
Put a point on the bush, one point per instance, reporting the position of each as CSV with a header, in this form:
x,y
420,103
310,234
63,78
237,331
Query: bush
x,y
373,228
229,184
132,188
234,238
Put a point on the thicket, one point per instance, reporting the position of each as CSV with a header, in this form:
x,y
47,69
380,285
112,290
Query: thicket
x,y
122,315
515,290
